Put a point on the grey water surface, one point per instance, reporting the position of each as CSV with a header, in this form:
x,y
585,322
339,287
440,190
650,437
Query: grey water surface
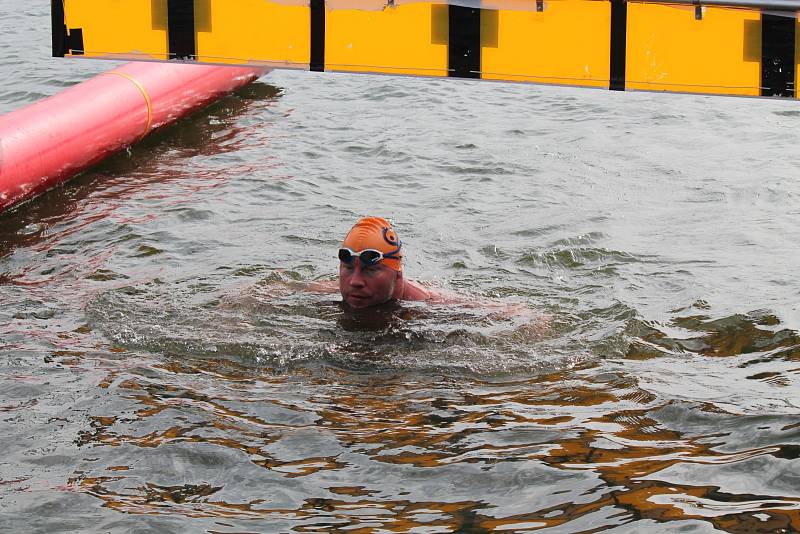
x,y
161,371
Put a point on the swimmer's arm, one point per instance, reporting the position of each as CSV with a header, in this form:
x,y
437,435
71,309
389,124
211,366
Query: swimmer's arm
x,y
533,320
322,286
423,292
314,286
278,285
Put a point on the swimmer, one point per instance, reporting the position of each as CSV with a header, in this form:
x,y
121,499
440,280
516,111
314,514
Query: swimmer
x,y
371,273
371,266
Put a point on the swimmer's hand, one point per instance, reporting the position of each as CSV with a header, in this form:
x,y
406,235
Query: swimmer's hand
x,y
524,320
528,321
281,283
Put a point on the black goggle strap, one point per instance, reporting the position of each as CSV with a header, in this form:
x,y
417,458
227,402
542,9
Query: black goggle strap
x,y
395,254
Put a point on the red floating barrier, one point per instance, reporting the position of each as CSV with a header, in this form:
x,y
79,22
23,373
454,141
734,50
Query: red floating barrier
x,y
51,141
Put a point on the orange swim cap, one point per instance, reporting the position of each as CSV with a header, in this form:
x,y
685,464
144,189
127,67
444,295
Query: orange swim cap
x,y
377,233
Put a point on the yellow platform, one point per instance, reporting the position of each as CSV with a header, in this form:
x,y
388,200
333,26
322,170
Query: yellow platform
x,y
635,45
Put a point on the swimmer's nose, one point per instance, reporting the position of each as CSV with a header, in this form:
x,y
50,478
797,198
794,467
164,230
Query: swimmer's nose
x,y
357,279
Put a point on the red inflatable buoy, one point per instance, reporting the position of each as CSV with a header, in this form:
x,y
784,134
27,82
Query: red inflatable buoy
x,y
51,141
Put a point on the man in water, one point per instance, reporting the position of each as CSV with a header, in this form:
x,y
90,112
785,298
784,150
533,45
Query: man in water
x,y
371,274
371,267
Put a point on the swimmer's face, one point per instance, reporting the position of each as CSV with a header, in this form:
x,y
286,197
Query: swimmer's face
x,y
366,286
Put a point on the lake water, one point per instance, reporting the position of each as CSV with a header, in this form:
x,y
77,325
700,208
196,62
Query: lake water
x,y
160,372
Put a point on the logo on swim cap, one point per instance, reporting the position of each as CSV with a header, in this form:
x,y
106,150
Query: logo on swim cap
x,y
376,233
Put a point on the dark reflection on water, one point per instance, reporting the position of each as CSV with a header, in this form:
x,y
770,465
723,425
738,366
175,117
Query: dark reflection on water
x,y
324,448
219,432
344,433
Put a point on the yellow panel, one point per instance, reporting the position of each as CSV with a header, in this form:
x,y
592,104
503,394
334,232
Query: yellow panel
x,y
567,43
253,31
669,50
797,57
135,28
397,40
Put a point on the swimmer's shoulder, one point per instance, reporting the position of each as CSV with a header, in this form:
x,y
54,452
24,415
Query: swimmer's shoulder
x,y
428,292
415,291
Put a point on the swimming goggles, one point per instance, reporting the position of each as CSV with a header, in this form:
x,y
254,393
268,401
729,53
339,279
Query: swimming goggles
x,y
368,256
